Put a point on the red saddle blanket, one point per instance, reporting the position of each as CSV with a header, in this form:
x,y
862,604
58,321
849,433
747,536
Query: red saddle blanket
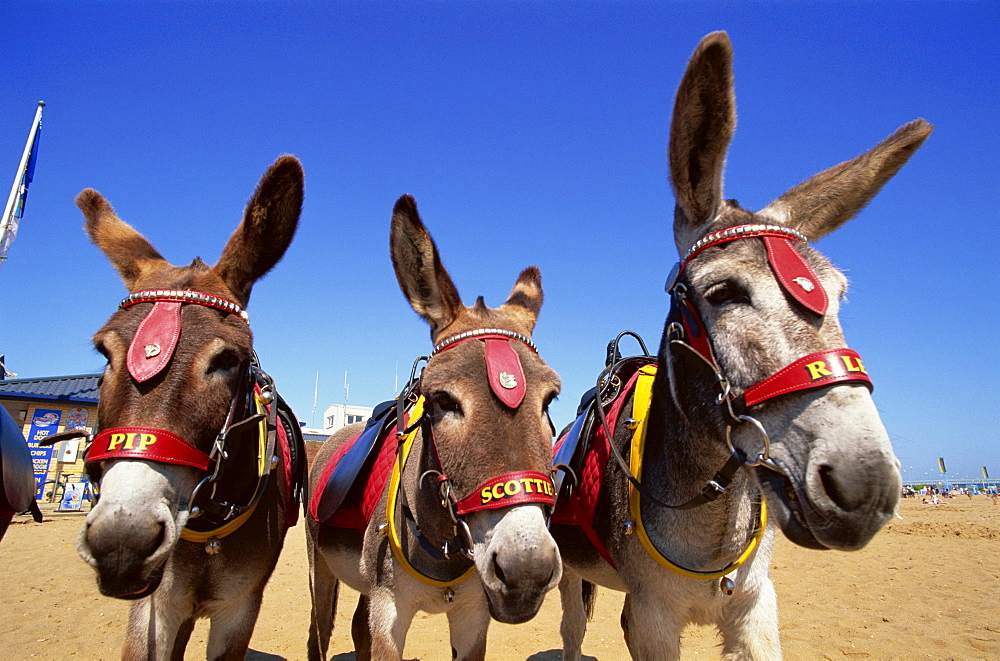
x,y
580,507
359,505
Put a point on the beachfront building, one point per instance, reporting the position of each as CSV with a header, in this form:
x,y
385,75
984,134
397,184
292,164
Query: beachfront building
x,y
47,405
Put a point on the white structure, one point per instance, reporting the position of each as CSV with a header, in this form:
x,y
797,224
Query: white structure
x,y
341,415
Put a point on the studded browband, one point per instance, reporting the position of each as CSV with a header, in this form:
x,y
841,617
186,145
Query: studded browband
x,y
483,333
503,366
184,296
818,369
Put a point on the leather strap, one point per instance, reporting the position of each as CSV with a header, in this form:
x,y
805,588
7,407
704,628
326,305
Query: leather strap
x,y
507,490
148,444
816,370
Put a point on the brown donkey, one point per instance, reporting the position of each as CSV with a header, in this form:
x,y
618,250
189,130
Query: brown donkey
x,y
460,524
754,410
199,462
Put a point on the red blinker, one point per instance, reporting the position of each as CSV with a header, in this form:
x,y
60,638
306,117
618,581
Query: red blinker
x,y
503,369
154,341
795,274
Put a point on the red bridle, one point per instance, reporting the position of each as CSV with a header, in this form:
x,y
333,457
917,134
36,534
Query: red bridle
x,y
149,353
797,278
507,381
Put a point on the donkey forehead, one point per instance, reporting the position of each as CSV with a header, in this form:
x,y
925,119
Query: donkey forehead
x,y
465,364
201,328
746,261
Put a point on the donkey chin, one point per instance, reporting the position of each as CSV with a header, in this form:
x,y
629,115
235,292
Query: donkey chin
x,y
839,482
129,535
517,560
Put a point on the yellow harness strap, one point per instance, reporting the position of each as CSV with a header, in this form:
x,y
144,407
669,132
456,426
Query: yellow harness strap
x,y
390,508
231,526
640,412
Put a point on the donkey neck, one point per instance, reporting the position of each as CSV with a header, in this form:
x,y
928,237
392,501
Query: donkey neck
x,y
683,450
423,499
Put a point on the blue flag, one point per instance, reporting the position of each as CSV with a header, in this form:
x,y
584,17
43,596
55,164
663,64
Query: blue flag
x,y
29,174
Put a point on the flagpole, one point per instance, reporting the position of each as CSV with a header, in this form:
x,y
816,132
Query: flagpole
x,y
15,190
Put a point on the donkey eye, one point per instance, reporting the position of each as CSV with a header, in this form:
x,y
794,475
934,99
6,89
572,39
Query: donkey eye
x,y
726,292
446,403
224,361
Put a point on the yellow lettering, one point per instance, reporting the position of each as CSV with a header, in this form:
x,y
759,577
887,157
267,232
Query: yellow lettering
x,y
486,495
497,491
116,441
526,483
818,370
512,488
853,364
145,440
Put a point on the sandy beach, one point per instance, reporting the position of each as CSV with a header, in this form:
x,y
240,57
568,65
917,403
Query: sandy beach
x,y
927,587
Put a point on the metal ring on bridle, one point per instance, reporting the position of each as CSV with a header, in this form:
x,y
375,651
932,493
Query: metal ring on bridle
x,y
764,458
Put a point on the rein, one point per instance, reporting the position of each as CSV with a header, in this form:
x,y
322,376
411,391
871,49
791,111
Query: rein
x,y
507,381
212,516
687,336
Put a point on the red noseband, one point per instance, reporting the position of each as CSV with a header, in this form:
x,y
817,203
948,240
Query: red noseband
x,y
797,278
146,443
511,489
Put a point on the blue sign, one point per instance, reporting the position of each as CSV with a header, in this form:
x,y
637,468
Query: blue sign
x,y
44,423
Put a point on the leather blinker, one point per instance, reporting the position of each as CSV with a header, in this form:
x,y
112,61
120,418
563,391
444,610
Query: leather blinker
x,y
795,274
154,341
503,369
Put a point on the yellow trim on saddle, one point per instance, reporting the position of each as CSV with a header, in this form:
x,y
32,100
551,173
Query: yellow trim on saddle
x,y
390,508
232,526
640,412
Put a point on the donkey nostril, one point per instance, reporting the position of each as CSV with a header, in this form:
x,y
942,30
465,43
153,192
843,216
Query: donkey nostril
x,y
846,495
498,570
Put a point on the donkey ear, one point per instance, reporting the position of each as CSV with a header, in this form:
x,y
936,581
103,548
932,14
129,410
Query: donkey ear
x,y
129,252
700,132
831,198
527,295
269,223
421,275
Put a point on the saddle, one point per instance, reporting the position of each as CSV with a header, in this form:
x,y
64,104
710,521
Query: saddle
x,y
582,453
17,477
356,474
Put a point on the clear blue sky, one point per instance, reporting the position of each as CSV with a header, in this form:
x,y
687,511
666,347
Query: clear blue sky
x,y
529,133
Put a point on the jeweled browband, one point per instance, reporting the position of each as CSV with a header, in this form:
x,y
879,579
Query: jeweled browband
x,y
184,296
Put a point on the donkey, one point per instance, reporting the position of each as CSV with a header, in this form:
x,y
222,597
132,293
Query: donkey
x,y
17,478
461,527
199,461
752,373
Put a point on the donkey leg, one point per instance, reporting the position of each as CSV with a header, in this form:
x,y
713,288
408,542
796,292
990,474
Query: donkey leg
x,y
652,633
390,611
573,626
232,627
324,588
749,626
181,639
468,624
360,632
153,623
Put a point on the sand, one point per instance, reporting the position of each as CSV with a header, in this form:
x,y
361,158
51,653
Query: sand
x,y
927,587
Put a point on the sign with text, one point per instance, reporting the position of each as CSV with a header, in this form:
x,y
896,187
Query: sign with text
x,y
44,423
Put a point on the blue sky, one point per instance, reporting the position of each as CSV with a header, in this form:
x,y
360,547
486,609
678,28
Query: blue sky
x,y
529,133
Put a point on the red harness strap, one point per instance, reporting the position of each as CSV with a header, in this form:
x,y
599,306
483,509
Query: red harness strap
x,y
580,509
506,490
818,369
148,444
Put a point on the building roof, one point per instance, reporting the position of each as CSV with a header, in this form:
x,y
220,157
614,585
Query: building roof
x,y
76,388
